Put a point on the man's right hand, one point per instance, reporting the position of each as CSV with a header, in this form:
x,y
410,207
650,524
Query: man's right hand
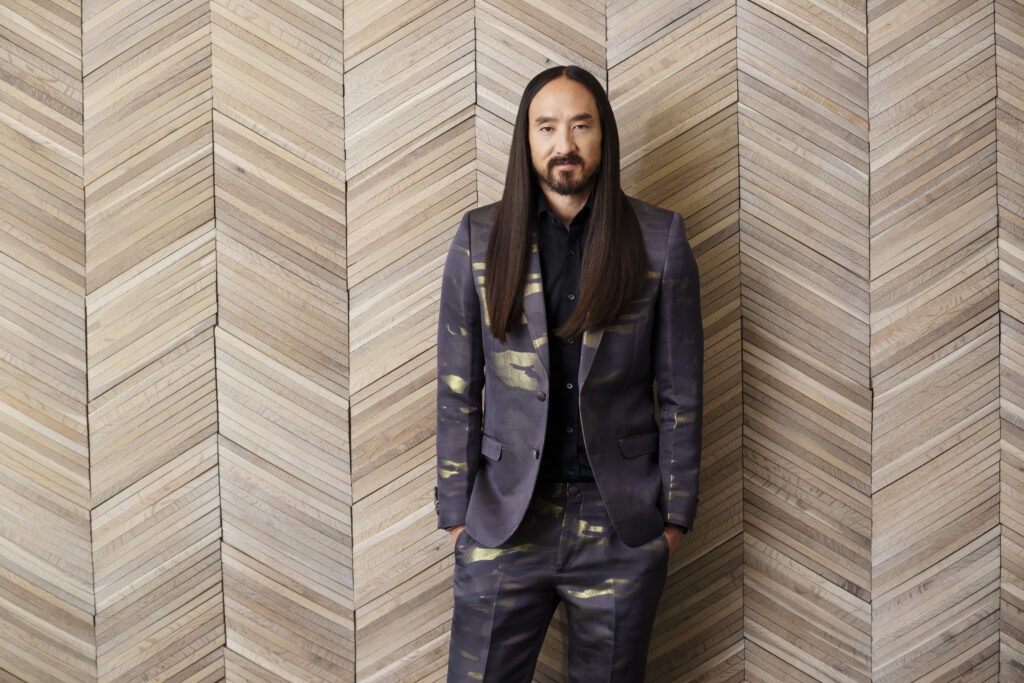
x,y
455,531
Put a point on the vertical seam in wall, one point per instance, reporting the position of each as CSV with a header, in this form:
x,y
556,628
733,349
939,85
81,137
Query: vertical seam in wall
x,y
216,325
348,352
743,403
871,376
999,341
85,347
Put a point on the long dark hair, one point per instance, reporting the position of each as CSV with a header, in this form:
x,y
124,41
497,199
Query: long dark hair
x,y
614,257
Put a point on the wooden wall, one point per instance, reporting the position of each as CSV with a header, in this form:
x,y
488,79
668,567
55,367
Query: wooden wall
x,y
222,228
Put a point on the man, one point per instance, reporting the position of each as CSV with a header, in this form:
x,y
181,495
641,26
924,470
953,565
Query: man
x,y
576,311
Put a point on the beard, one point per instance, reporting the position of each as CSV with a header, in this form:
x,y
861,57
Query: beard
x,y
567,182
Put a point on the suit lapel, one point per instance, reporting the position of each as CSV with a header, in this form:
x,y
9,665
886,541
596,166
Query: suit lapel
x,y
533,306
591,342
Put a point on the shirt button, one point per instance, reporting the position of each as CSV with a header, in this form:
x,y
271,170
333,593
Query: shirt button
x,y
568,385
572,252
568,430
540,396
572,297
536,453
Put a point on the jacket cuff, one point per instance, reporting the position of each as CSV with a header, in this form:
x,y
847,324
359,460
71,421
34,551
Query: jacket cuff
x,y
447,520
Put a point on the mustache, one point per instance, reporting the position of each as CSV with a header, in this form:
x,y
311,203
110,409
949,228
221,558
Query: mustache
x,y
567,159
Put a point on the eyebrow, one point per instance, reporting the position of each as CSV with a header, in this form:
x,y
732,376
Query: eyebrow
x,y
578,117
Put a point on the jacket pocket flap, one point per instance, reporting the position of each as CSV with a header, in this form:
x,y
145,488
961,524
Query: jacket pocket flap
x,y
490,447
639,444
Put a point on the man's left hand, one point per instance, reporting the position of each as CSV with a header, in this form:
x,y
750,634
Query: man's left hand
x,y
672,535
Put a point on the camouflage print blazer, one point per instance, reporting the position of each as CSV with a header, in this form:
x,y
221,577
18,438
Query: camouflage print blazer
x,y
640,392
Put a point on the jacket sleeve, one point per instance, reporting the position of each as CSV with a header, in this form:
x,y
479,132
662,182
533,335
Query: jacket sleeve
x,y
460,380
679,368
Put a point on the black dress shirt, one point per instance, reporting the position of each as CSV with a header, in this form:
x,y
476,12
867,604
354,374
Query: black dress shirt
x,y
561,255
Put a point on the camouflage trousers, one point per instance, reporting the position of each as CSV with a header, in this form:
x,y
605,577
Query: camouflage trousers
x,y
564,550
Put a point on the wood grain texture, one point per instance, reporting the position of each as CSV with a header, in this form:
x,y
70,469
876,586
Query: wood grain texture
x,y
46,576
803,134
150,310
934,341
147,165
282,334
156,551
409,104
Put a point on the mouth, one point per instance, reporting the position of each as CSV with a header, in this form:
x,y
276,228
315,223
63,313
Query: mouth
x,y
565,164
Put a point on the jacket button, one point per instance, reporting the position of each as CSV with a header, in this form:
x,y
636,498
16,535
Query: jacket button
x,y
541,395
536,453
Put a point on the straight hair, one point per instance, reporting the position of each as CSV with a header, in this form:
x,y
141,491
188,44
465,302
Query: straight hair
x,y
615,259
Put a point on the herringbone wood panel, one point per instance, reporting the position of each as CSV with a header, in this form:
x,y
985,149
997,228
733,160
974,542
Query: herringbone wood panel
x,y
803,134
222,227
46,577
409,106
282,331
934,341
151,307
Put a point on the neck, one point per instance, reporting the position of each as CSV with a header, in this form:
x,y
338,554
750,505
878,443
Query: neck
x,y
566,206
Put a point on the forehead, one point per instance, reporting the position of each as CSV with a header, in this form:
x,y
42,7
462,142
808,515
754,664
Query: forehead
x,y
562,97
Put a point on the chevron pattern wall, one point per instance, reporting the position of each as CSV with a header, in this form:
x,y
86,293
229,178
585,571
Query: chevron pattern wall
x,y
222,229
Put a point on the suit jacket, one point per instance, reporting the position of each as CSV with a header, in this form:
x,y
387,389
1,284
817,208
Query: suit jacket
x,y
640,392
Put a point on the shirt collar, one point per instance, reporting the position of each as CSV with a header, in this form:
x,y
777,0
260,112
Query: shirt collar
x,y
543,206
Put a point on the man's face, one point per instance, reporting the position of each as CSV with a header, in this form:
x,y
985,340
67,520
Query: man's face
x,y
565,136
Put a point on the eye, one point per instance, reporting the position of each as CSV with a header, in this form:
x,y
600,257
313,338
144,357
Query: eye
x,y
546,129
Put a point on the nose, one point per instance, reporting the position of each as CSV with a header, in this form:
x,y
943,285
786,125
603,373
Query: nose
x,y
564,142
